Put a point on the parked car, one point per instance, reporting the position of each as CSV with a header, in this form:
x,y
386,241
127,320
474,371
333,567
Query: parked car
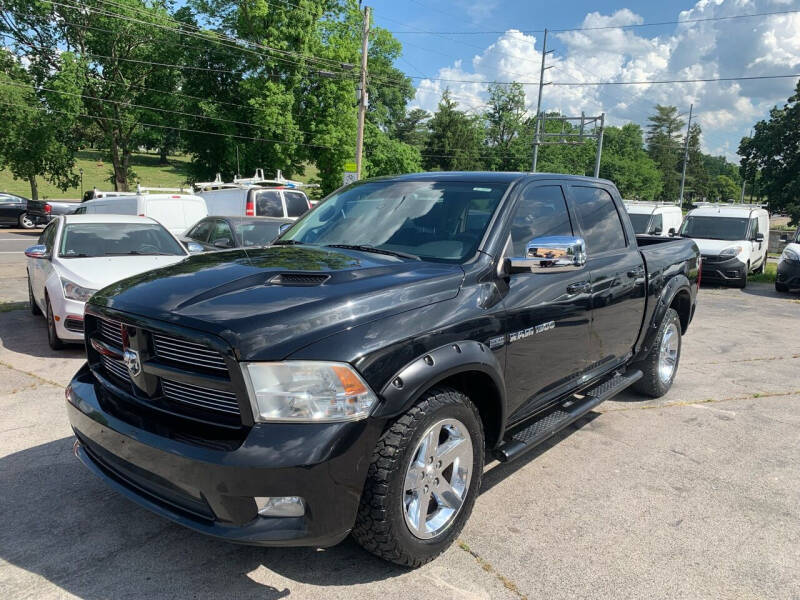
x,y
255,197
788,276
654,218
41,211
221,233
14,212
350,377
79,254
175,211
731,239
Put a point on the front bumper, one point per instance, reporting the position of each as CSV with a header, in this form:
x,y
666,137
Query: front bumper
x,y
69,325
788,273
722,271
212,490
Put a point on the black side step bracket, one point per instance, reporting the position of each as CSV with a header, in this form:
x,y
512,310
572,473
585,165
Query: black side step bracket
x,y
554,420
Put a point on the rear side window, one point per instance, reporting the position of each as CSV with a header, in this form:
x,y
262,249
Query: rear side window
x,y
753,227
296,203
541,211
268,204
602,228
657,224
222,231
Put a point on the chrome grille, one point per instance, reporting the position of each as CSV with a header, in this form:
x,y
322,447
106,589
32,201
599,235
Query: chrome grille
x,y
111,331
188,353
116,368
201,397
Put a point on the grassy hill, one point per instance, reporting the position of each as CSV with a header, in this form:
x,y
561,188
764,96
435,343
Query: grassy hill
x,y
96,172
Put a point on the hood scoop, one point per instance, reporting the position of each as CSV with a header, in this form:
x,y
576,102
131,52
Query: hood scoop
x,y
302,279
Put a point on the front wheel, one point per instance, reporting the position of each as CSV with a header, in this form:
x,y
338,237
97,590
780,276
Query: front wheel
x,y
25,222
661,363
421,486
52,335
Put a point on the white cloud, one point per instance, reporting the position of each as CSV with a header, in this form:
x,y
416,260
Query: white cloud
x,y
709,49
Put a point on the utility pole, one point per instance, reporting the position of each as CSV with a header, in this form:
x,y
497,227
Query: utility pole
x,y
686,152
536,139
744,180
362,103
599,146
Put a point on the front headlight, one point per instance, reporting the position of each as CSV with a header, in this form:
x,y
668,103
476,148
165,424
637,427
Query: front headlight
x,y
790,255
73,291
296,390
731,252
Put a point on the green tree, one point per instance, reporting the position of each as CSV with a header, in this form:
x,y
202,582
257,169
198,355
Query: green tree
x,y
773,153
664,147
698,182
413,128
625,162
384,155
724,188
505,123
455,140
40,125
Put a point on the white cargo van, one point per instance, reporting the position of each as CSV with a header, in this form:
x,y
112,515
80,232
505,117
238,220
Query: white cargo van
x,y
255,197
175,211
732,240
654,218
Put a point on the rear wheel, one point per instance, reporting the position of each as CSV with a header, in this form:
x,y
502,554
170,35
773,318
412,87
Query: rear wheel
x,y
52,335
35,310
425,474
661,363
781,287
25,222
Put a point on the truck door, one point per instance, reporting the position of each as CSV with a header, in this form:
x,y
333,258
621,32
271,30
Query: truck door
x,y
757,253
618,279
547,314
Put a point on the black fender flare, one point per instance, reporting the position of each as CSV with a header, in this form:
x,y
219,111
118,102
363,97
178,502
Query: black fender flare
x,y
678,283
408,384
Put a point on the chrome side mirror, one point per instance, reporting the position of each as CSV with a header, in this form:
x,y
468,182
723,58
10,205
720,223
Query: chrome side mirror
x,y
552,254
194,248
37,251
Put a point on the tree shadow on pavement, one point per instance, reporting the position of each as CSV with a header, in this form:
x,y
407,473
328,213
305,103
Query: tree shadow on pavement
x,y
65,525
24,333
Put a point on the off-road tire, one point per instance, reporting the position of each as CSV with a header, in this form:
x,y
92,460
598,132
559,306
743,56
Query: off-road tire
x,y
52,335
35,310
651,384
380,524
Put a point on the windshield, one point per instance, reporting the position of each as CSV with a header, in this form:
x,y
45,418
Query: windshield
x,y
441,221
715,228
640,222
82,240
258,234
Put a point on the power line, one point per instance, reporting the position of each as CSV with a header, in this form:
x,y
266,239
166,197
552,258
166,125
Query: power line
x,y
590,83
605,27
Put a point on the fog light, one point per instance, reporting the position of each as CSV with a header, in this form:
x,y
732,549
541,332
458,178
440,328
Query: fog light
x,y
281,506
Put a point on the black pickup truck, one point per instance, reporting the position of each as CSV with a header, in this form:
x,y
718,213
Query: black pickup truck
x,y
44,210
351,378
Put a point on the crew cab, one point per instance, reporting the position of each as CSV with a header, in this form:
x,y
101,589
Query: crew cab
x,y
350,378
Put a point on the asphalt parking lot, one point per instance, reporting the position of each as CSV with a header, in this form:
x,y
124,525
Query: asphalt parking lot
x,y
695,495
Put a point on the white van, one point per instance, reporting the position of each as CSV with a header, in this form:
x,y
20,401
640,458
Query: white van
x,y
255,197
654,218
732,239
175,211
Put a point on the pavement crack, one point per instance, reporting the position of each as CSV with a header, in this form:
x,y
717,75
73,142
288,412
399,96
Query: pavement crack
x,y
29,374
489,568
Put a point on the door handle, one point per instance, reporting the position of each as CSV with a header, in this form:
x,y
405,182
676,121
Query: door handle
x,y
579,287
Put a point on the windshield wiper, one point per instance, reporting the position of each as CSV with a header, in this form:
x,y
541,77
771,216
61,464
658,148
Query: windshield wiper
x,y
288,243
373,249
137,253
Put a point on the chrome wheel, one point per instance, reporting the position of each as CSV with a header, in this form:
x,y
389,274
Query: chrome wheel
x,y
668,353
437,478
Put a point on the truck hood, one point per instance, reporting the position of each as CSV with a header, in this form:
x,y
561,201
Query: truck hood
x,y
98,272
270,302
714,247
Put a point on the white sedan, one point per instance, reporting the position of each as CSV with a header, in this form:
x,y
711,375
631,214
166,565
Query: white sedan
x,y
80,254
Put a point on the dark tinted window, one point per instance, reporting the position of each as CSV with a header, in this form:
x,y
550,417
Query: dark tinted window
x,y
117,239
753,227
268,204
602,229
540,212
715,228
200,231
640,221
657,225
221,231
296,203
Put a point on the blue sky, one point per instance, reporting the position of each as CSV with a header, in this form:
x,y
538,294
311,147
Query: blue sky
x,y
723,48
